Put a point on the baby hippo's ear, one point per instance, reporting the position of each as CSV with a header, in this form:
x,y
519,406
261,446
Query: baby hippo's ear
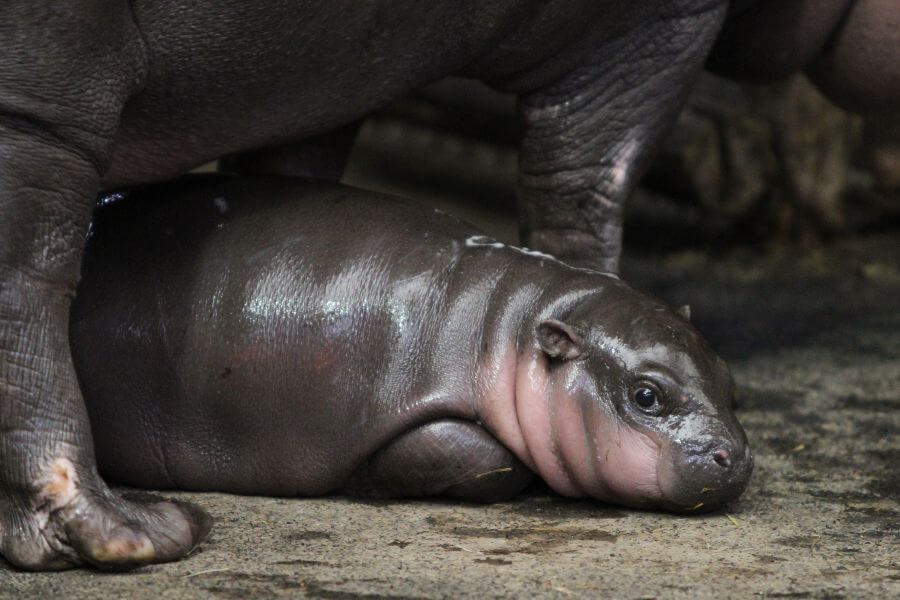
x,y
559,340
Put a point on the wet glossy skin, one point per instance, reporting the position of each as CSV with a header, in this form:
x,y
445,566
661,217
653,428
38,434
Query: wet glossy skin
x,y
101,93
409,356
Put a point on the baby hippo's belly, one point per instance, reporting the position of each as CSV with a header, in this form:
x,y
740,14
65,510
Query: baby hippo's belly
x,y
226,339
446,457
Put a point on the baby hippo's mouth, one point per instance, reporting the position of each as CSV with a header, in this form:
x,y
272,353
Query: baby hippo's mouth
x,y
701,478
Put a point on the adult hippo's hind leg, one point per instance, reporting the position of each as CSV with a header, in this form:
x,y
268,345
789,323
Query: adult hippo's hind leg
x,y
589,136
849,48
859,67
65,73
449,457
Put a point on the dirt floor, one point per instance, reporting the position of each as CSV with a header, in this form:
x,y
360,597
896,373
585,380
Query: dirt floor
x,y
813,338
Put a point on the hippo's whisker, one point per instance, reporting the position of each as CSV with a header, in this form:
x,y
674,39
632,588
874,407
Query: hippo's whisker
x,y
493,471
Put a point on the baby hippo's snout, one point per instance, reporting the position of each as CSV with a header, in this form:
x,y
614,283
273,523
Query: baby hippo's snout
x,y
706,476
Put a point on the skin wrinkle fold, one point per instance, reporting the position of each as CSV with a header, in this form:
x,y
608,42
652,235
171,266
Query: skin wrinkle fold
x,y
579,399
554,408
655,449
536,439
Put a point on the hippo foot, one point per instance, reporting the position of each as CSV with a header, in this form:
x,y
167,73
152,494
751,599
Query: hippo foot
x,y
71,522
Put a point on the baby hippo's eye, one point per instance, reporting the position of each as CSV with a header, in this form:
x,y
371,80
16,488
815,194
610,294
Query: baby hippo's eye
x,y
648,398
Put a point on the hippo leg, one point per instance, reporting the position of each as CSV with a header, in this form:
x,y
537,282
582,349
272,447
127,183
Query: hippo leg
x,y
772,39
448,457
859,67
588,137
321,157
65,75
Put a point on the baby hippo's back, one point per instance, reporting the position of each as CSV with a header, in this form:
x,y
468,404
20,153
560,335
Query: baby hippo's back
x,y
243,334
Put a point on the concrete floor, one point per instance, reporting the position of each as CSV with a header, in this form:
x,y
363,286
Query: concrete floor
x,y
814,341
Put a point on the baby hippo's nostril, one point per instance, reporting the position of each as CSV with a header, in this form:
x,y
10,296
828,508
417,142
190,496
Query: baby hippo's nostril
x,y
722,458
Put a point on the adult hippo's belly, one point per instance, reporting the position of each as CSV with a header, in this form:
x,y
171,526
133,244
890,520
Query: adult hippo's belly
x,y
273,336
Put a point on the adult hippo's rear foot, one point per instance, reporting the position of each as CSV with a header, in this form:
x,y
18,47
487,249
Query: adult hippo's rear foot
x,y
67,520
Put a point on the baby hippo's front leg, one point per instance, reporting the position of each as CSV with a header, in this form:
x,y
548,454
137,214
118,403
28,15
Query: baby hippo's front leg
x,y
448,457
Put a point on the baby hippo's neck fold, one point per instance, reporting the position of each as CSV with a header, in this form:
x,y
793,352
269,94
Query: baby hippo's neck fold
x,y
512,398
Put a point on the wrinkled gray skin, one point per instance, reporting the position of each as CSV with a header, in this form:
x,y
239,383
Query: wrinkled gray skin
x,y
98,93
410,355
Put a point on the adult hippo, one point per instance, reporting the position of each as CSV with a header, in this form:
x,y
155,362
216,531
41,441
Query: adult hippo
x,y
100,93
292,338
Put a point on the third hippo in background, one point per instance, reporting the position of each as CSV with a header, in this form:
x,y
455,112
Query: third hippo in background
x,y
272,336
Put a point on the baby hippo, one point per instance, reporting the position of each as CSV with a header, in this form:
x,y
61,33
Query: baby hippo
x,y
275,336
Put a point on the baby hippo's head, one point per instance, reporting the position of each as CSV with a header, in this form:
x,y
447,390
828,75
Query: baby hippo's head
x,y
640,408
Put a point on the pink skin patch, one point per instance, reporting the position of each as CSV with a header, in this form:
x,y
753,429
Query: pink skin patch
x,y
628,464
59,484
576,446
497,406
536,416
